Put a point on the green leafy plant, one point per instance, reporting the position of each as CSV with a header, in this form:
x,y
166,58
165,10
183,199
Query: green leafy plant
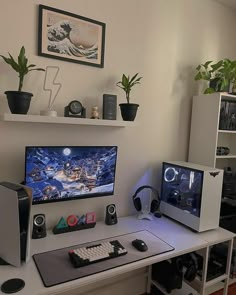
x,y
209,72
127,83
222,73
228,73
20,66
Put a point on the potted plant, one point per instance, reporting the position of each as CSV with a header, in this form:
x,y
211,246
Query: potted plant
x,y
19,101
220,75
228,75
210,72
128,110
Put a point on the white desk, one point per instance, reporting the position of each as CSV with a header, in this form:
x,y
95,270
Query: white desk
x,y
181,238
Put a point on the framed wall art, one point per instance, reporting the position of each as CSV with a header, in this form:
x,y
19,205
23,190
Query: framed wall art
x,y
70,37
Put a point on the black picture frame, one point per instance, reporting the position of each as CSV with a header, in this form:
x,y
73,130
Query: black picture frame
x,y
70,37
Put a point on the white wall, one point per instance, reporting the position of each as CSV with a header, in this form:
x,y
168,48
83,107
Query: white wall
x,y
163,40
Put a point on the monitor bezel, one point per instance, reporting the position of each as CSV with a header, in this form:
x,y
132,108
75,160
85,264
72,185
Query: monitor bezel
x,y
86,196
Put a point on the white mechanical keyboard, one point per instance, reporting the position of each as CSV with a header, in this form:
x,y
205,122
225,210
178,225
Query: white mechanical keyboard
x,y
95,253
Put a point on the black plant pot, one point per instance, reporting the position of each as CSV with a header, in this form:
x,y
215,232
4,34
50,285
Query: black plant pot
x,y
18,101
128,111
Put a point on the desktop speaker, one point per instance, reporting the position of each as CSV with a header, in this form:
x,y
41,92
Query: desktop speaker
x,y
111,217
109,106
15,206
39,226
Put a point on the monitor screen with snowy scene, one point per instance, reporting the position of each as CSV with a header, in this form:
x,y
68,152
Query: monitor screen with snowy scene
x,y
70,172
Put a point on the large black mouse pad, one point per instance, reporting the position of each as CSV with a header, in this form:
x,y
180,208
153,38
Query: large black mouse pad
x,y
56,268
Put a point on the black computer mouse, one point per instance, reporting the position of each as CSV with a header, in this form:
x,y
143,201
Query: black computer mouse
x,y
140,245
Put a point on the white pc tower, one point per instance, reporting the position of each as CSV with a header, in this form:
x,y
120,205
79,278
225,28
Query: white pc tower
x,y
15,205
191,194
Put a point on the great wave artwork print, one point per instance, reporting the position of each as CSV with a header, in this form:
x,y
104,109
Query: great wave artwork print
x,y
70,37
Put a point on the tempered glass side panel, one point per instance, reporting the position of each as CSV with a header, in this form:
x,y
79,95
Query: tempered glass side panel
x,y
182,188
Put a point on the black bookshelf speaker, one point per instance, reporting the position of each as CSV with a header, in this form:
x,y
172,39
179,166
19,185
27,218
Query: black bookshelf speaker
x,y
109,106
111,216
39,226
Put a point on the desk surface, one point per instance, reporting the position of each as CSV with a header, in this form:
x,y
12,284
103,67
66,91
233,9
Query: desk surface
x,y
181,238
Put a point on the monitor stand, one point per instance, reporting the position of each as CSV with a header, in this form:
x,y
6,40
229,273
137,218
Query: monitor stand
x,y
145,215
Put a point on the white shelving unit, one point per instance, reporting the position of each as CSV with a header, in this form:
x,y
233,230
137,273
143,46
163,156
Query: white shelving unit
x,y
201,285
205,137
205,134
229,156
64,120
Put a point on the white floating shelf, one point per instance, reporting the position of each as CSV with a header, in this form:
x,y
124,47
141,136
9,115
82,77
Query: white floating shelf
x,y
227,131
225,95
229,156
64,120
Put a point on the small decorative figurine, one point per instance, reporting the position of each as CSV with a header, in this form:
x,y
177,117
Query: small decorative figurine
x,y
82,220
90,217
74,222
94,113
61,223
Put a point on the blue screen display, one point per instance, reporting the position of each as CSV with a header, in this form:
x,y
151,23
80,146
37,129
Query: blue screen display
x,y
182,188
70,172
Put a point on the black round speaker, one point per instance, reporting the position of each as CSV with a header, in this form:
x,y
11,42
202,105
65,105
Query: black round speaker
x,y
39,220
39,226
111,217
111,209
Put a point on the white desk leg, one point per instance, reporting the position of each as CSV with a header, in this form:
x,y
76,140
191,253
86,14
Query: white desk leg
x,y
149,279
228,264
204,270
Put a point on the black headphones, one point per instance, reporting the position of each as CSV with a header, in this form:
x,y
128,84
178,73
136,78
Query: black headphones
x,y
155,202
191,264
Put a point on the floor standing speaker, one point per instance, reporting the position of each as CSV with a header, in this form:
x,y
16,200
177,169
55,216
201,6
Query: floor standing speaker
x,y
111,217
39,227
109,106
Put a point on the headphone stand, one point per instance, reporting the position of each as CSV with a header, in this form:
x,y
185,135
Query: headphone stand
x,y
146,215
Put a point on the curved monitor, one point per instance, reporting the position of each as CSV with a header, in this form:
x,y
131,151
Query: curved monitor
x,y
60,173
